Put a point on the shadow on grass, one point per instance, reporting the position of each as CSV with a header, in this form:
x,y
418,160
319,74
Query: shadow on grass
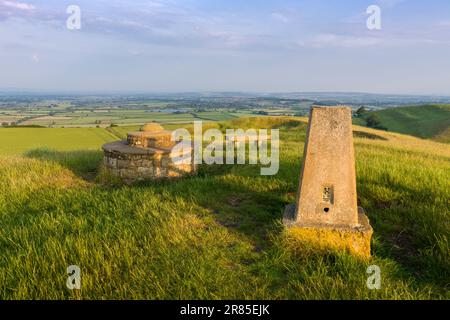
x,y
84,163
229,201
368,135
411,232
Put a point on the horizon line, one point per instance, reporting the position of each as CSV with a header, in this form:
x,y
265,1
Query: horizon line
x,y
14,91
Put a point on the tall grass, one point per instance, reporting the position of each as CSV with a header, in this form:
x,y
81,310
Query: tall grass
x,y
219,235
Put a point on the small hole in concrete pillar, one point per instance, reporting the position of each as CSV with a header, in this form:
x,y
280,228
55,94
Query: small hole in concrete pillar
x,y
326,210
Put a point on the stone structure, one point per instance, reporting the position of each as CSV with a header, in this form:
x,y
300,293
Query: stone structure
x,y
146,154
326,211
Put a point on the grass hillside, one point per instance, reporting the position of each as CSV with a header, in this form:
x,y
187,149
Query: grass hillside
x,y
219,235
428,121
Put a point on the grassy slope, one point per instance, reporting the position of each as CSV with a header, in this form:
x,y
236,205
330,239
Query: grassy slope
x,y
215,116
218,235
428,121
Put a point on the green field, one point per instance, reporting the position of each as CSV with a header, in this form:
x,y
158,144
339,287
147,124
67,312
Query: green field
x,y
125,117
121,132
428,121
105,117
217,235
20,140
215,116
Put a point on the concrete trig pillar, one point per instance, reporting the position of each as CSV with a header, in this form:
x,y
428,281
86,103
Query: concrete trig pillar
x,y
326,208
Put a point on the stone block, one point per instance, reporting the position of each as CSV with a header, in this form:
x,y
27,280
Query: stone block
x,y
145,155
123,164
112,162
144,171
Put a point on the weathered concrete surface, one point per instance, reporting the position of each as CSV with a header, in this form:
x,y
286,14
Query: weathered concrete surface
x,y
328,179
326,206
354,240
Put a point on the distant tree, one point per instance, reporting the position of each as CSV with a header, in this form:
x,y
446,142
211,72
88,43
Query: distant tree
x,y
264,113
5,124
373,121
361,111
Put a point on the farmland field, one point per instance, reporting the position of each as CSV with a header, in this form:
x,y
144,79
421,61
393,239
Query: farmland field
x,y
106,118
20,140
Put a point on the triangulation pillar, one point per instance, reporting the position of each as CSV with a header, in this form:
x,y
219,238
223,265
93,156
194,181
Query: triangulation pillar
x,y
326,212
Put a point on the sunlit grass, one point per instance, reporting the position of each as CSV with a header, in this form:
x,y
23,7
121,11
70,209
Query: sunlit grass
x,y
218,235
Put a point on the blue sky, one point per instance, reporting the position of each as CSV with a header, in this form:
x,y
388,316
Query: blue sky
x,y
218,45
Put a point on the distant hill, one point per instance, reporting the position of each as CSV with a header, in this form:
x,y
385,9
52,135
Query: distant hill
x,y
426,121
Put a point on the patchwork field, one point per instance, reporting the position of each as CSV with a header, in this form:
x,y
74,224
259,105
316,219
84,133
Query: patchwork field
x,y
96,117
106,118
217,235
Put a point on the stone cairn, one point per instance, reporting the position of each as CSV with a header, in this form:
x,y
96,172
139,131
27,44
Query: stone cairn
x,y
146,155
326,212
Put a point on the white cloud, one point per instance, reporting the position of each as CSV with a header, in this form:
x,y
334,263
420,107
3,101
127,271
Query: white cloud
x,y
16,5
10,9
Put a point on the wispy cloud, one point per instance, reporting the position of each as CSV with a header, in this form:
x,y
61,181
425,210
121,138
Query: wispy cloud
x,y
390,3
16,5
10,9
